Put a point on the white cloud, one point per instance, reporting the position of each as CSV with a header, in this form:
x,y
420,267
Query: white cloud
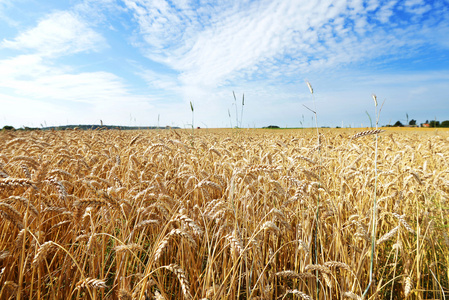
x,y
44,82
4,4
29,75
157,80
90,87
386,11
28,111
22,111
414,3
218,48
250,40
58,96
22,66
160,24
59,33
30,85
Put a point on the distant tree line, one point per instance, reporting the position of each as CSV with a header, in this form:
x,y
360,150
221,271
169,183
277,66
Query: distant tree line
x,y
433,123
7,127
438,124
88,127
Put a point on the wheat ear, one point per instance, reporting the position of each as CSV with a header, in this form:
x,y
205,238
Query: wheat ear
x,y
91,282
299,294
11,214
42,253
179,272
365,133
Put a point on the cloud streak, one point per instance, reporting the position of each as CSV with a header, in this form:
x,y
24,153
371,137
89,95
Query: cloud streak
x,y
256,39
59,33
38,75
38,79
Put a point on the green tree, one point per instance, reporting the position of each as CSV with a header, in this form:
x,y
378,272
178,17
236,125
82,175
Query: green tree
x,y
445,123
434,123
412,122
398,124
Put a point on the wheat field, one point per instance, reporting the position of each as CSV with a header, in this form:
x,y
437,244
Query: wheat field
x,y
223,214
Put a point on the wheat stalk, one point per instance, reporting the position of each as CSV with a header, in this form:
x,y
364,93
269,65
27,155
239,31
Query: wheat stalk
x,y
367,132
404,222
293,274
179,272
299,294
125,295
337,264
128,247
11,214
16,182
408,286
322,269
91,283
351,295
42,253
388,235
164,242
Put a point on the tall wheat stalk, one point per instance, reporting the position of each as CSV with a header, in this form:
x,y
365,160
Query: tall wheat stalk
x,y
241,115
374,212
236,114
193,128
317,213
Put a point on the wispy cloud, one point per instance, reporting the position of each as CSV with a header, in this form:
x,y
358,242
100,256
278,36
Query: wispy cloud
x,y
37,75
22,66
4,4
85,96
242,45
58,33
261,38
417,7
37,78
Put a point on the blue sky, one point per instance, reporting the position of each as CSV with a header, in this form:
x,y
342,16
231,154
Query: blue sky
x,y
135,62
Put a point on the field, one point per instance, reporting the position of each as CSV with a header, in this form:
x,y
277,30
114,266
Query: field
x,y
224,214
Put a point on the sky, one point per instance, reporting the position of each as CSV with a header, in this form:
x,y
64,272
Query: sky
x,y
142,62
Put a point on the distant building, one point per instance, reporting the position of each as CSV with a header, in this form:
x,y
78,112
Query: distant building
x,y
425,125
